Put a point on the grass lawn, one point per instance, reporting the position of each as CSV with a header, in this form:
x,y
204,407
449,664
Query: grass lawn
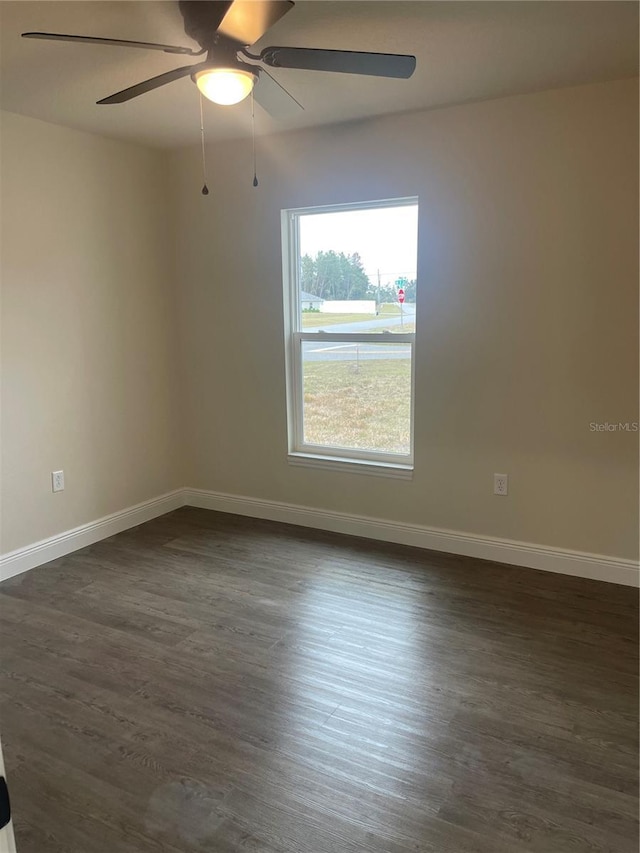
x,y
363,405
310,319
313,319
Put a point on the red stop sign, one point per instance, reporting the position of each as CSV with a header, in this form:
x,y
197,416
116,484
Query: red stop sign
x,y
401,296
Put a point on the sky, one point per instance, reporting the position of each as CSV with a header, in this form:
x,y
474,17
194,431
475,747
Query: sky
x,y
386,238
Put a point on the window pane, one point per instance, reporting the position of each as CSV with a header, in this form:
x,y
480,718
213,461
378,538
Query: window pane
x,y
357,395
354,265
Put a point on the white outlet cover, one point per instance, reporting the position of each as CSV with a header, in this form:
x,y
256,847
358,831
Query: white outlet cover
x,y
501,484
57,481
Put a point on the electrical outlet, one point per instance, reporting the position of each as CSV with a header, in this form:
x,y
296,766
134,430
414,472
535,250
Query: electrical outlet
x,y
57,481
500,484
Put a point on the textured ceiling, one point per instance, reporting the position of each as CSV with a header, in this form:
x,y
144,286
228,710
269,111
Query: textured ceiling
x,y
465,51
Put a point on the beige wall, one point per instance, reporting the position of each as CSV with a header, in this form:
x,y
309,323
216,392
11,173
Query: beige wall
x,y
527,313
88,367
138,370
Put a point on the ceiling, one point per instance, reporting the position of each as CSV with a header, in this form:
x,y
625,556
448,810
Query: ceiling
x,y
465,51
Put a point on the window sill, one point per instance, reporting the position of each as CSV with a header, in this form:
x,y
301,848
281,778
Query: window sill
x,y
352,466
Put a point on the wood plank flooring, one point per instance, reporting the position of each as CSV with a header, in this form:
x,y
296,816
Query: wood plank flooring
x,y
206,682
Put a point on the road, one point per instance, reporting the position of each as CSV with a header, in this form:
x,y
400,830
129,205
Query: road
x,y
333,351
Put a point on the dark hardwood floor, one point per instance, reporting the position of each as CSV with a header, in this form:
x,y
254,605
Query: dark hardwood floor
x,y
212,683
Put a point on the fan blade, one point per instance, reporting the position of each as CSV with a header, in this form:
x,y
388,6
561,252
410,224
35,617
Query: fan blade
x,y
274,98
147,45
152,83
345,61
248,20
202,19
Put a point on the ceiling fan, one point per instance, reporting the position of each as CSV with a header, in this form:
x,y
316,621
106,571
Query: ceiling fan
x,y
224,30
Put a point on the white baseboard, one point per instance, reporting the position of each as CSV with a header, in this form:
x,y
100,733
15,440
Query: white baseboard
x,y
22,559
559,560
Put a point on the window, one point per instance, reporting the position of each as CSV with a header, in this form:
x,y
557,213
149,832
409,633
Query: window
x,y
350,319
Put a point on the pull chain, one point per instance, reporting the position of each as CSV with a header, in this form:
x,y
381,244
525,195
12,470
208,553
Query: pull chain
x,y
253,138
205,188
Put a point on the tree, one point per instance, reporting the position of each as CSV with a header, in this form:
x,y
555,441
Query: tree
x,y
410,291
333,275
307,273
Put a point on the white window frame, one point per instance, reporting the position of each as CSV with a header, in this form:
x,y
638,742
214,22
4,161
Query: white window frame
x,y
323,456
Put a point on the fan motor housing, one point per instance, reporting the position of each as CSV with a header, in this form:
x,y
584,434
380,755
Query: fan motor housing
x,y
216,60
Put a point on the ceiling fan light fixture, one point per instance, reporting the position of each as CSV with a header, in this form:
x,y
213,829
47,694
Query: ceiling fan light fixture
x,y
225,86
